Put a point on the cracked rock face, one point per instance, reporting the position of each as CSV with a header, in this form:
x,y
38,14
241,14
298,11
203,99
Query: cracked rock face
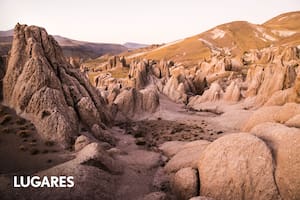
x,y
2,73
133,102
43,87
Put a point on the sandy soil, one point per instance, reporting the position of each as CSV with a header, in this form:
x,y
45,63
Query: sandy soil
x,y
139,141
22,151
140,166
175,122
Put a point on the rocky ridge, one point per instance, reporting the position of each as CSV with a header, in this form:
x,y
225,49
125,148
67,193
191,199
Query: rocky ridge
x,y
42,86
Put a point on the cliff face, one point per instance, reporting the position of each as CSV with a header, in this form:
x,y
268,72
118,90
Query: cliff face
x,y
42,86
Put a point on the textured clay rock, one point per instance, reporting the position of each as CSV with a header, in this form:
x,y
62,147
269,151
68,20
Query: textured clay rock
x,y
132,102
214,93
155,196
178,86
232,92
285,145
2,73
94,155
293,122
279,114
264,114
138,72
116,61
187,157
170,148
286,112
42,86
93,171
81,142
75,62
185,183
267,65
164,68
237,166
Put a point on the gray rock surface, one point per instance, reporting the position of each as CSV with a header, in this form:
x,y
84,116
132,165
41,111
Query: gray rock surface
x,y
237,166
185,183
285,145
42,86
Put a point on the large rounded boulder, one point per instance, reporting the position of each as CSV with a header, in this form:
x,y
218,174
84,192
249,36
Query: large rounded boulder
x,y
237,166
285,145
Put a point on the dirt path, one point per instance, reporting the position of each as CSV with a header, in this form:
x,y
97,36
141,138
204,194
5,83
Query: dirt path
x,y
22,151
139,140
140,166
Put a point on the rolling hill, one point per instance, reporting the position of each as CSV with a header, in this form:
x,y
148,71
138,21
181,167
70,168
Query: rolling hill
x,y
133,45
71,48
234,38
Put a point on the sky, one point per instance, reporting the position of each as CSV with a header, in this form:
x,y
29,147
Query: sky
x,y
149,22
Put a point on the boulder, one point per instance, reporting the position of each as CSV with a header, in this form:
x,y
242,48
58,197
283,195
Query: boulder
x,y
185,183
170,148
94,155
81,142
286,112
2,73
42,86
279,114
285,145
293,122
94,178
263,114
187,157
237,166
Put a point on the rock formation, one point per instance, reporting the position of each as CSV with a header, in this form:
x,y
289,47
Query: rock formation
x,y
185,183
237,166
179,86
132,102
2,73
42,86
285,145
267,65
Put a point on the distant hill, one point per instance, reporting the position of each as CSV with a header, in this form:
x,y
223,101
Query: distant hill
x,y
6,33
236,37
71,48
82,49
133,45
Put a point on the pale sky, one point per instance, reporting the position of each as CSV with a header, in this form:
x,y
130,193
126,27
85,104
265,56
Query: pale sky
x,y
151,21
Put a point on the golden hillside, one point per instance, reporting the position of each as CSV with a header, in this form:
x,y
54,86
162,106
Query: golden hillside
x,y
237,37
234,37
